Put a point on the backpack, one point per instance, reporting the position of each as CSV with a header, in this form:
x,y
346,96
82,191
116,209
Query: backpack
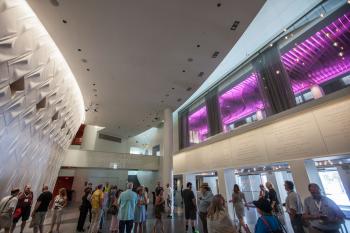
x,y
280,229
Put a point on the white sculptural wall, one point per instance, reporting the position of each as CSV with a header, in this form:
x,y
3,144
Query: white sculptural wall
x,y
41,106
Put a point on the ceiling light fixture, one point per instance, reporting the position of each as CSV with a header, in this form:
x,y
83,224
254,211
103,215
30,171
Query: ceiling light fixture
x,y
64,21
218,5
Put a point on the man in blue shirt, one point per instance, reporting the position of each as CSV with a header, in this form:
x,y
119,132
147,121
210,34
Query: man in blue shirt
x,y
127,204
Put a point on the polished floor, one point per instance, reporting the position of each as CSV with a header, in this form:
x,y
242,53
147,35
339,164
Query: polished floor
x,y
174,225
70,219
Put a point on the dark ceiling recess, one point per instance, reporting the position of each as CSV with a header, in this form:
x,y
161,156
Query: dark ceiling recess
x,y
183,71
190,59
87,69
189,89
218,5
109,137
173,88
84,60
234,25
201,74
167,95
64,21
215,54
198,45
79,50
55,2
179,99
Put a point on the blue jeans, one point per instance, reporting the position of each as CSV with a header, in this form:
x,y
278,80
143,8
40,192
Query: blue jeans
x,y
125,223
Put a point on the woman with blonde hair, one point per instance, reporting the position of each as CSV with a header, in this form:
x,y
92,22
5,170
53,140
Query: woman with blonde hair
x,y
218,219
59,203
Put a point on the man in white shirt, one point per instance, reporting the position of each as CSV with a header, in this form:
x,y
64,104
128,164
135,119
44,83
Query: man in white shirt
x,y
294,207
7,207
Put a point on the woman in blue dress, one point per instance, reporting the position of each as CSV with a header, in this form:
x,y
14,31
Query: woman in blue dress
x,y
140,210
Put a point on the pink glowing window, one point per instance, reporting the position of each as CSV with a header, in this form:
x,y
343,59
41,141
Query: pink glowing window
x,y
198,125
322,57
241,103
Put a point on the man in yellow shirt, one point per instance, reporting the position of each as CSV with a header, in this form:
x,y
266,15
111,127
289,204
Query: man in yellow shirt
x,y
96,203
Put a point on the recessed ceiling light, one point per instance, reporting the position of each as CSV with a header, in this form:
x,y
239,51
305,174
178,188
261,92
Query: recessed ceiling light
x,y
218,5
179,99
183,71
198,45
95,95
201,74
189,89
94,84
84,60
87,69
190,59
79,50
64,21
173,88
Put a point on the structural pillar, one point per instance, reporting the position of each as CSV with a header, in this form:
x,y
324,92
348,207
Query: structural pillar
x,y
226,180
344,173
167,159
304,172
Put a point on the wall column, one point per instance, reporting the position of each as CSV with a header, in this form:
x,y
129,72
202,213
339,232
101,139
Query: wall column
x,y
167,160
227,179
89,137
304,172
344,173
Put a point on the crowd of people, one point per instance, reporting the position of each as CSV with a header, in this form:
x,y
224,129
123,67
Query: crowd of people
x,y
128,209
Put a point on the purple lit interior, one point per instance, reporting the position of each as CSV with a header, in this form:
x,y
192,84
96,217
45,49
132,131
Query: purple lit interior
x,y
321,57
198,122
241,100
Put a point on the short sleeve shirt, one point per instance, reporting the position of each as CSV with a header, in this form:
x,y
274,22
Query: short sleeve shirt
x,y
293,201
96,199
188,196
6,204
127,204
44,199
323,207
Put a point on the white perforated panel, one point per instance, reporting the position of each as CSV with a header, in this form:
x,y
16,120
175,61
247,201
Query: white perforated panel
x,y
36,84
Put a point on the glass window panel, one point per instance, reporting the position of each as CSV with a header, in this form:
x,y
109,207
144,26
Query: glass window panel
x,y
334,187
241,102
198,125
319,62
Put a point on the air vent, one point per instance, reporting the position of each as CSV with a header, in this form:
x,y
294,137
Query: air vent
x,y
215,54
234,25
200,74
109,138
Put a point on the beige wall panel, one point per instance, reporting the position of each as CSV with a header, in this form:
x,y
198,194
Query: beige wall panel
x,y
334,123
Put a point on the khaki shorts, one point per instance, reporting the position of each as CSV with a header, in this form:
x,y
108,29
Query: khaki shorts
x,y
39,218
5,221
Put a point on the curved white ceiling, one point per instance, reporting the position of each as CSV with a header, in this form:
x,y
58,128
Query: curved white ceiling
x,y
134,58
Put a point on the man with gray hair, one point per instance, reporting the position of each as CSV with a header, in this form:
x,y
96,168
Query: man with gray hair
x,y
127,204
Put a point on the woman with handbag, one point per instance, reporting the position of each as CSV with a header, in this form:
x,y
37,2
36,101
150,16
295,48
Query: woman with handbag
x,y
84,209
114,227
59,203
